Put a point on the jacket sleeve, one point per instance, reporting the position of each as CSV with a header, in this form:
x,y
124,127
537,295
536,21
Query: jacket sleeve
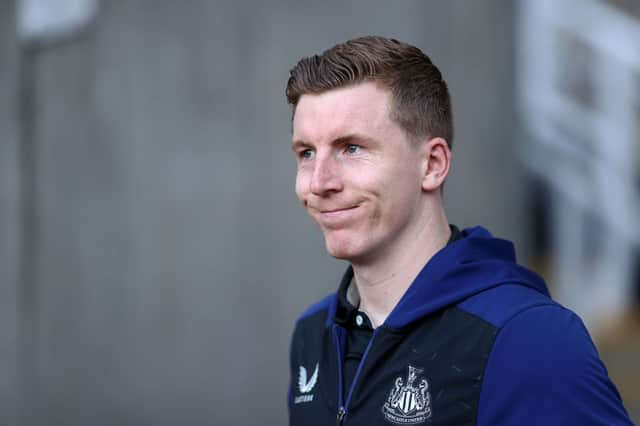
x,y
545,370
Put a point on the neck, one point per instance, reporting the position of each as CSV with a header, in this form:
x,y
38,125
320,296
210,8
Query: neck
x,y
381,283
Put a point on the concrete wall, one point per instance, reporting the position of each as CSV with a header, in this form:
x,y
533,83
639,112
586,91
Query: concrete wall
x,y
170,258
9,216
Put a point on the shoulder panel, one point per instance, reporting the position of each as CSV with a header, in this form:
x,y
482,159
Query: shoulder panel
x,y
499,304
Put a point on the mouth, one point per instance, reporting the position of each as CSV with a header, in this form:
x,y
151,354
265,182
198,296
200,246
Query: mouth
x,y
333,211
334,216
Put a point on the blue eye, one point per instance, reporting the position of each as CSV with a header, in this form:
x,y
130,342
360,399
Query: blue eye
x,y
306,154
352,149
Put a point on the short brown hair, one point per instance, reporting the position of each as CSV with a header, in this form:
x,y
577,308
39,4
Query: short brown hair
x,y
421,101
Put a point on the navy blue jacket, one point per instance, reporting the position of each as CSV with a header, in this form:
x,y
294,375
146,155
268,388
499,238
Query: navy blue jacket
x,y
475,340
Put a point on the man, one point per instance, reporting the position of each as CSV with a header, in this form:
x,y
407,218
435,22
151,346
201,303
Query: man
x,y
430,324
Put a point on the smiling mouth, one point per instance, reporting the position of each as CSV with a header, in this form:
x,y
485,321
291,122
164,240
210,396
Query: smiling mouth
x,y
336,211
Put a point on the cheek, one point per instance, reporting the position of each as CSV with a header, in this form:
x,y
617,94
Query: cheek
x,y
301,185
401,190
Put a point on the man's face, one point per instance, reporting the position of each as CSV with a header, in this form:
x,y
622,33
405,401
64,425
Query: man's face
x,y
359,176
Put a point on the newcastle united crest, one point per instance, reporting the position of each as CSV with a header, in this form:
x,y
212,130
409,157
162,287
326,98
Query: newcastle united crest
x,y
409,402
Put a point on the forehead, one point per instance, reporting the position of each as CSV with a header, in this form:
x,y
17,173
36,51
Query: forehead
x,y
362,109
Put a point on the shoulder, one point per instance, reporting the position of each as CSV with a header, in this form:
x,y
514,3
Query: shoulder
x,y
544,368
314,320
325,308
498,305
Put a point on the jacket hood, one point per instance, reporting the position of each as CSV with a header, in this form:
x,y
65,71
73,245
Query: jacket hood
x,y
470,265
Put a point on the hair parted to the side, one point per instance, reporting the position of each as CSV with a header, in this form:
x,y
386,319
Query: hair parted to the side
x,y
420,97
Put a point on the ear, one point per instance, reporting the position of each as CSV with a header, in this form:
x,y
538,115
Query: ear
x,y
436,163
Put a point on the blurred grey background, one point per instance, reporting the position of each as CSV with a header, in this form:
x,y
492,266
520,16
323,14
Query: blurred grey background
x,y
153,257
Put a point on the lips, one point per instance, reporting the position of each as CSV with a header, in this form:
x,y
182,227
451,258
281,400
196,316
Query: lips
x,y
330,209
336,210
334,216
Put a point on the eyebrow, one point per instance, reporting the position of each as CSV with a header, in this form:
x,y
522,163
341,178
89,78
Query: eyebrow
x,y
355,137
299,144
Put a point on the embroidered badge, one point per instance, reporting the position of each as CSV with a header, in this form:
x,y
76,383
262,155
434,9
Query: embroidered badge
x,y
305,386
408,403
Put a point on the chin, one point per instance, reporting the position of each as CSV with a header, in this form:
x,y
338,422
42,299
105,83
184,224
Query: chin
x,y
344,250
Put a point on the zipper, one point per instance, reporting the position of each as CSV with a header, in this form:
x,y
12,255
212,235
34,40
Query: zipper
x,y
340,356
342,411
364,357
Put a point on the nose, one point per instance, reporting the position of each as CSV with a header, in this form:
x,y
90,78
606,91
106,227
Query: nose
x,y
325,178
